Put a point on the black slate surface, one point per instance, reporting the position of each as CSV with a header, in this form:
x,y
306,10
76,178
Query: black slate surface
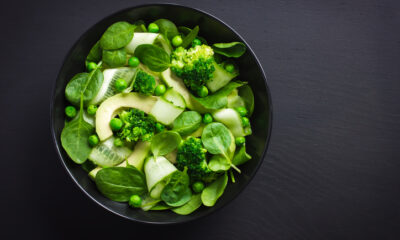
x,y
332,169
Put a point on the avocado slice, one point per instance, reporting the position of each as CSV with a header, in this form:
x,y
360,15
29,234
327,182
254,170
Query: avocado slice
x,y
109,108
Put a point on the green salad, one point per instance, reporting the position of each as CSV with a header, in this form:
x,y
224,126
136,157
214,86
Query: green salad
x,y
159,118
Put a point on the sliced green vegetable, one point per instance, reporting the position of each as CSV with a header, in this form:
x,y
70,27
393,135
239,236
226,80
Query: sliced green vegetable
x,y
212,192
157,170
233,49
119,183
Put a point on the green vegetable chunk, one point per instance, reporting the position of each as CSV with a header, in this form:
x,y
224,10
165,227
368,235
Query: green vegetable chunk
x,y
233,49
196,42
211,193
165,142
84,84
177,192
136,126
216,139
242,111
144,83
187,122
116,124
198,187
117,36
91,66
177,41
202,92
240,141
153,28
160,90
93,140
133,62
207,118
245,122
160,127
191,206
135,201
118,142
230,68
91,109
70,111
114,58
154,57
120,84
120,183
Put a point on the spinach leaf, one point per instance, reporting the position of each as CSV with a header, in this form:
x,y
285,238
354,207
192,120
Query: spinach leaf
x,y
117,36
247,95
187,122
212,192
74,138
220,98
191,206
177,192
84,84
160,206
114,58
165,142
154,57
95,53
167,28
188,39
219,163
233,49
119,183
216,139
241,156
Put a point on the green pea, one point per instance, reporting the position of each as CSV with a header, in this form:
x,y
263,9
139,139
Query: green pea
x,y
203,91
198,187
160,127
120,84
160,90
207,118
93,140
116,124
133,62
242,111
229,67
240,141
91,110
245,122
118,142
70,111
177,41
196,42
153,28
91,66
135,201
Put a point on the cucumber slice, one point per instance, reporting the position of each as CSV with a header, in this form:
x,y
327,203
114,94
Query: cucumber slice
x,y
232,120
172,81
162,42
157,170
107,155
174,97
137,157
234,100
140,38
108,109
110,76
157,190
165,112
221,77
92,174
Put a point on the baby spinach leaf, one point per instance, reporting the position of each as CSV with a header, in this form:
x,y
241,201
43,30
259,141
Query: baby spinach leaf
x,y
160,206
167,28
117,36
95,53
84,84
219,163
177,192
241,156
212,192
154,57
247,95
165,142
74,138
220,98
233,49
114,58
119,183
188,39
187,122
216,139
191,206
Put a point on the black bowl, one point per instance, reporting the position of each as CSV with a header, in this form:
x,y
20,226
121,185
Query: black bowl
x,y
214,30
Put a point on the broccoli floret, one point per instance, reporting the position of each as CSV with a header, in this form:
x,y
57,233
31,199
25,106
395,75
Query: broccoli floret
x,y
137,126
192,155
195,65
144,83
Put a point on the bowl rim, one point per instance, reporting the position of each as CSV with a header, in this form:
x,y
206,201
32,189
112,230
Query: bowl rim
x,y
215,209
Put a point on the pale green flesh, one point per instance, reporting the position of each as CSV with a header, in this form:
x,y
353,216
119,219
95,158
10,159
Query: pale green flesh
x,y
173,96
231,119
221,77
234,100
93,173
156,170
165,112
140,38
137,157
106,154
108,109
157,190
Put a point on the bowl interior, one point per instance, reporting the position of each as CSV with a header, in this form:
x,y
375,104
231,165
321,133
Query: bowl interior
x,y
214,31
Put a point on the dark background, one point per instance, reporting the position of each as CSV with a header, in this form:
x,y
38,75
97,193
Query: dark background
x,y
333,166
